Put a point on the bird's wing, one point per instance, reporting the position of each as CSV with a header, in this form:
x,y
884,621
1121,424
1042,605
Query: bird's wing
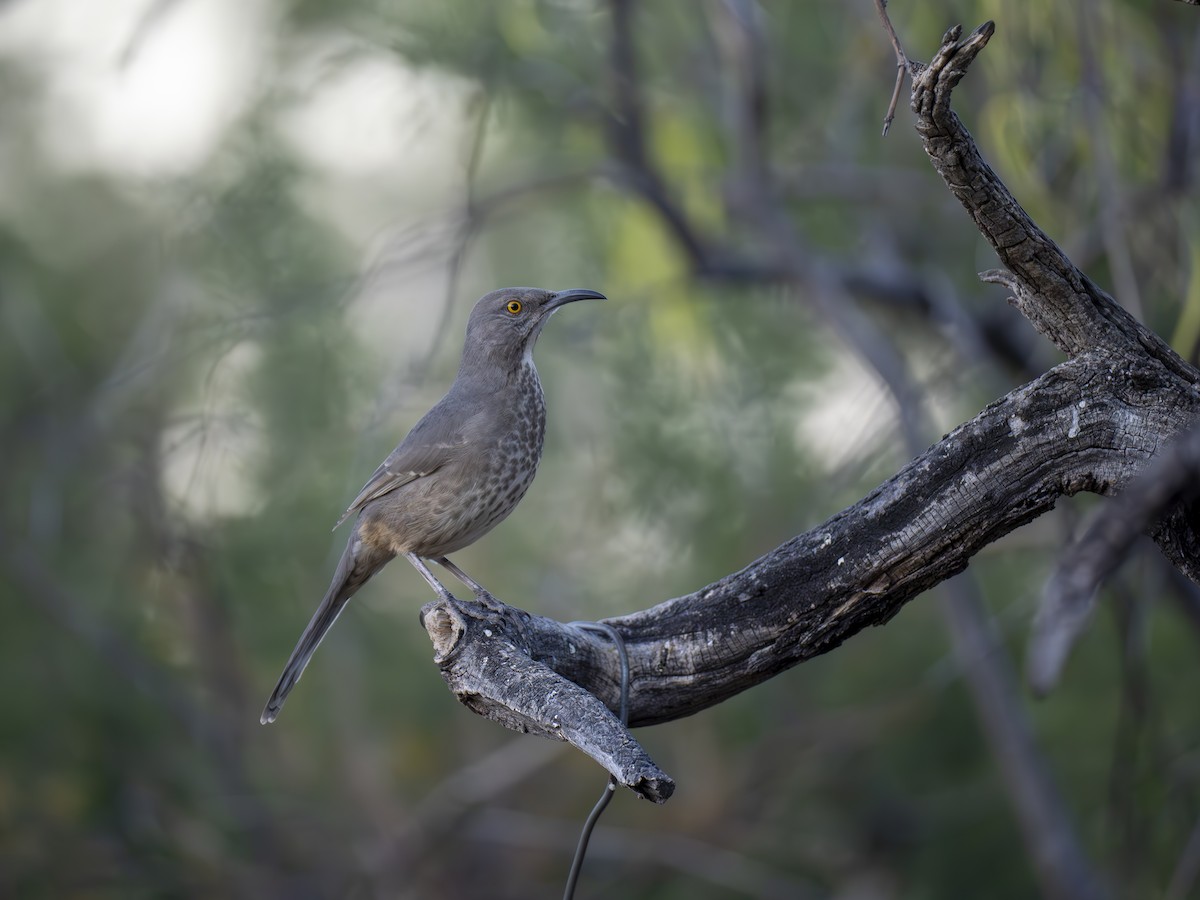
x,y
428,447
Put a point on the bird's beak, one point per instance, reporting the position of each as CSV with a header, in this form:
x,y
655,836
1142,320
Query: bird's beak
x,y
561,298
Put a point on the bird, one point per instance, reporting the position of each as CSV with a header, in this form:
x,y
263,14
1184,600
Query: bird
x,y
458,473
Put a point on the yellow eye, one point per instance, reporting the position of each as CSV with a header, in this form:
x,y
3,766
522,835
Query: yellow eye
x,y
514,306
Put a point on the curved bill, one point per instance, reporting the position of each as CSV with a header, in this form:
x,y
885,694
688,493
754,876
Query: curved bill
x,y
559,298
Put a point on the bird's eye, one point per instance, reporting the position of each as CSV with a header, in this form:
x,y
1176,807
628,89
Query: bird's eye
x,y
514,306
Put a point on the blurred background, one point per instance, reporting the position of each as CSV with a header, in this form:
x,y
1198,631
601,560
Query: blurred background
x,y
238,243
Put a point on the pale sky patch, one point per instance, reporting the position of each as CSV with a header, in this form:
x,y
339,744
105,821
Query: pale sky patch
x,y
158,111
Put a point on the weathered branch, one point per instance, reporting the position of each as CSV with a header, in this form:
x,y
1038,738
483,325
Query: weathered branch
x,y
1068,431
1070,595
1061,302
492,667
1090,424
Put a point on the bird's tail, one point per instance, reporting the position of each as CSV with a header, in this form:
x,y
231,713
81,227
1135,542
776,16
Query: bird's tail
x,y
352,573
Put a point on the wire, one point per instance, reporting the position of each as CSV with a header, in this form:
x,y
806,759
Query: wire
x,y
609,789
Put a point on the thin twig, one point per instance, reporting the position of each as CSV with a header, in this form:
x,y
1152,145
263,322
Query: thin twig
x,y
662,853
609,789
901,63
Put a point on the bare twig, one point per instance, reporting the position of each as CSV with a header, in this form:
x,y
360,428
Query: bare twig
x,y
623,716
902,64
698,860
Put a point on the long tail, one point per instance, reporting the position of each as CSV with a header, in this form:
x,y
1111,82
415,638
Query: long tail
x,y
353,571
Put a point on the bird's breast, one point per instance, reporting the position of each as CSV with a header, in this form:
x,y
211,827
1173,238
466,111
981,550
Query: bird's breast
x,y
462,502
511,461
528,429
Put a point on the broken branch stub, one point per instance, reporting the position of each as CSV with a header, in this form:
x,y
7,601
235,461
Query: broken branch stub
x,y
484,657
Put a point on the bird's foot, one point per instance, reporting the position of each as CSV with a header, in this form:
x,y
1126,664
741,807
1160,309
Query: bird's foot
x,y
485,599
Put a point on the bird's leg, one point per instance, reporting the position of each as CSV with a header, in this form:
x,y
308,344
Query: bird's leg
x,y
419,565
482,594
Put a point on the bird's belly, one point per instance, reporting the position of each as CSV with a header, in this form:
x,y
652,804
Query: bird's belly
x,y
453,508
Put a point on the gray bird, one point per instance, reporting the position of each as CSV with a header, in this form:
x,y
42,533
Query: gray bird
x,y
461,470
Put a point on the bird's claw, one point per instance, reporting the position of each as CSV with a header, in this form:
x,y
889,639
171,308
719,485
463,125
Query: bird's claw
x,y
485,599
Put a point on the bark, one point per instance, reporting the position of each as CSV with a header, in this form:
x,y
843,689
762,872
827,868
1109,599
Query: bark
x,y
1092,423
1171,483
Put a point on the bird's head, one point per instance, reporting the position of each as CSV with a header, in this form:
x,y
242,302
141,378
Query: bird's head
x,y
505,324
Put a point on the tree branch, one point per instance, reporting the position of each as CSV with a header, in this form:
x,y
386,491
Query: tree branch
x,y
902,63
489,663
1090,424
1063,433
1061,302
1070,594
